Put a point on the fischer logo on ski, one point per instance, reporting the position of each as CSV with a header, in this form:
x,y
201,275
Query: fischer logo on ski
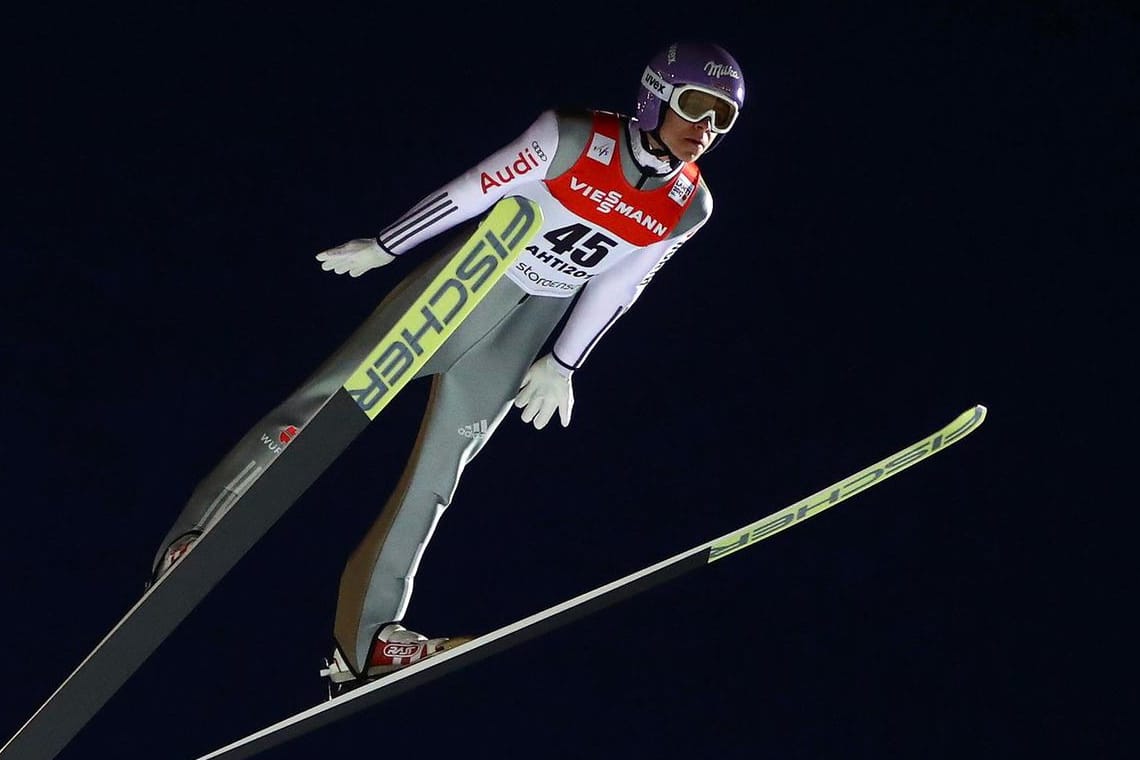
x,y
847,488
435,315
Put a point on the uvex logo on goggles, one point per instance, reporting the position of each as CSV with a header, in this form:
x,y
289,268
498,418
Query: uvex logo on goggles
x,y
693,102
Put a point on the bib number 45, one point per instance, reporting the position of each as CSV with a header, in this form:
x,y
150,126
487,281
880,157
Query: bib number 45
x,y
572,242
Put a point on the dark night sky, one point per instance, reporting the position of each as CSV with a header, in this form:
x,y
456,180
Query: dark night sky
x,y
920,210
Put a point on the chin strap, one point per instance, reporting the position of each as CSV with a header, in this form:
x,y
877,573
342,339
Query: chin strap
x,y
663,151
651,163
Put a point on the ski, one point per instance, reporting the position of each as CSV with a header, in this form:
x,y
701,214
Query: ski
x,y
527,628
436,313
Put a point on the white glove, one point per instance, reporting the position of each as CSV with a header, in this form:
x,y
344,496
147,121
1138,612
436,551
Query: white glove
x,y
545,387
355,257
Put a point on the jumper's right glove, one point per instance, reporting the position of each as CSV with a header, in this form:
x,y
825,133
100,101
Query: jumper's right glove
x,y
355,257
546,387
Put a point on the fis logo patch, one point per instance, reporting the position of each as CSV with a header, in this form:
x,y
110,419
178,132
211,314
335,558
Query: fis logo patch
x,y
602,149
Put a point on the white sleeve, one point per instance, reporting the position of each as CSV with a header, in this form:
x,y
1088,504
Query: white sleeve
x,y
506,171
606,297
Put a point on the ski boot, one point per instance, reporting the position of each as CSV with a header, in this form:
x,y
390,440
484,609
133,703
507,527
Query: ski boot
x,y
179,547
394,647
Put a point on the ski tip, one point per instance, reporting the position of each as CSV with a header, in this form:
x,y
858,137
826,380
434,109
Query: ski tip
x,y
966,422
975,415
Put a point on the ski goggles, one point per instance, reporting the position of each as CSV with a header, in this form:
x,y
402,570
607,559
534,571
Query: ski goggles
x,y
694,103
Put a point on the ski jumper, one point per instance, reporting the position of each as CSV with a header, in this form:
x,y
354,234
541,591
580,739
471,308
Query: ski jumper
x,y
612,215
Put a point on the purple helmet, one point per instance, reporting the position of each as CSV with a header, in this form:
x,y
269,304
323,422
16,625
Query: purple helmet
x,y
691,66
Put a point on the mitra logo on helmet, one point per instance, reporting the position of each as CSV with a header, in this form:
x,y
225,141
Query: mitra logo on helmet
x,y
718,70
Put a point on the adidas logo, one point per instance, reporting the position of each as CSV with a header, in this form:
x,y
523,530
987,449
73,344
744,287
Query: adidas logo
x,y
475,431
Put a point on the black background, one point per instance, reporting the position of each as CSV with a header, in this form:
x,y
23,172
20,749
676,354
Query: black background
x,y
921,209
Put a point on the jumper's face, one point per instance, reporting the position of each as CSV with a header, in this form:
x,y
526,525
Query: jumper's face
x,y
687,140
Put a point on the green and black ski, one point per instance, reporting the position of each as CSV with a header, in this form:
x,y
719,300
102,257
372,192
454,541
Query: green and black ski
x,y
496,641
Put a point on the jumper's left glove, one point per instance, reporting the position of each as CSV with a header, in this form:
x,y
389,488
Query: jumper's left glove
x,y
355,257
546,387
